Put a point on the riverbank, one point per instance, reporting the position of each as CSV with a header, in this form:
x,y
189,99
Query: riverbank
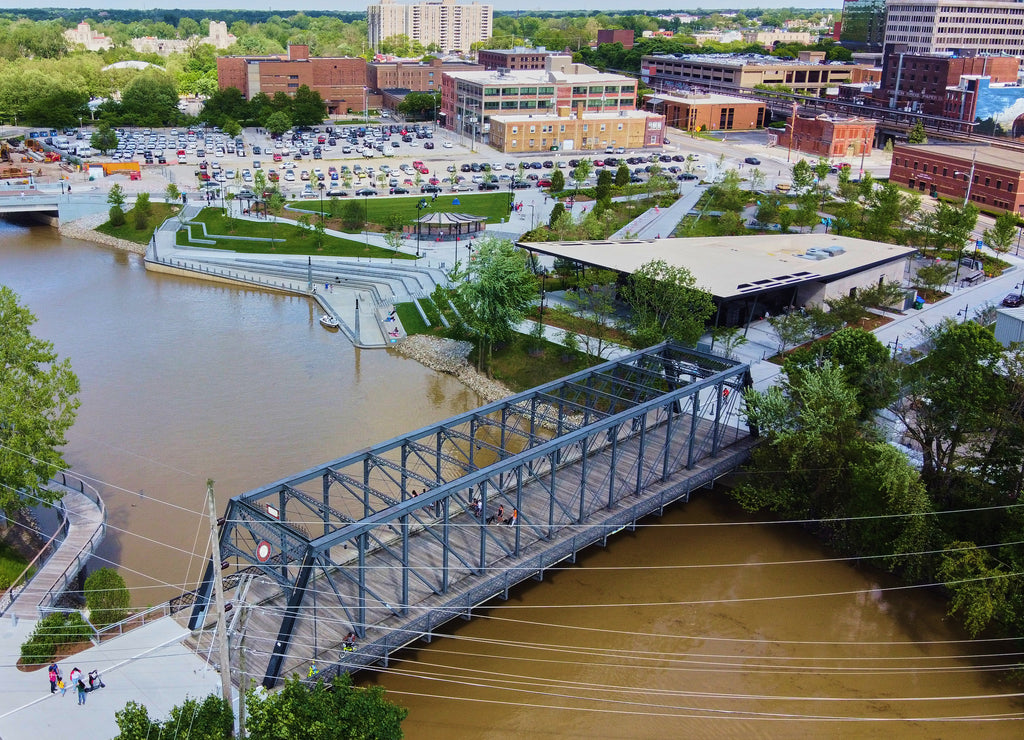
x,y
84,229
449,356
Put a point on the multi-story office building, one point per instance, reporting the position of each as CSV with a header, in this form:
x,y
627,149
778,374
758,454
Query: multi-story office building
x,y
615,36
565,130
413,74
828,136
446,24
519,57
810,75
469,99
341,81
965,27
863,26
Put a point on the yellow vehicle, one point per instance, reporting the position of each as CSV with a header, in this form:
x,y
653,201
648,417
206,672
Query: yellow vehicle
x,y
783,187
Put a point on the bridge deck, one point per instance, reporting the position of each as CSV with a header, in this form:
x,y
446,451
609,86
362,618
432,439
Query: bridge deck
x,y
324,621
86,525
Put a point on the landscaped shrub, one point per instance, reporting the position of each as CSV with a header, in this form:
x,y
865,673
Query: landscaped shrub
x,y
50,633
106,596
117,217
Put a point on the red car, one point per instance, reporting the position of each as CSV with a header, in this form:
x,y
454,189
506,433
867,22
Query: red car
x,y
544,183
424,170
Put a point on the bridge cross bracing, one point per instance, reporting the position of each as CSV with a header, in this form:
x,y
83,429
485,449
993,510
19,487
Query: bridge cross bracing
x,y
387,542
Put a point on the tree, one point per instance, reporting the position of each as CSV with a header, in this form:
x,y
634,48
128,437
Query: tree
x,y
756,179
557,181
791,328
171,193
603,191
803,175
666,304
353,217
279,122
582,171
209,719
115,196
556,211
977,584
591,311
151,99
231,127
933,275
501,293
420,105
1000,237
621,176
336,711
38,403
308,108
142,211
103,138
916,135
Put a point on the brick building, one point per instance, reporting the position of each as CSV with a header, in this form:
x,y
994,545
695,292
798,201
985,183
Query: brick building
x,y
341,81
989,177
568,130
519,57
412,74
615,36
920,82
829,137
710,111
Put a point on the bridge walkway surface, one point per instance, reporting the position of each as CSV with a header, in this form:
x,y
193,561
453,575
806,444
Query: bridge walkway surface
x,y
579,460
83,525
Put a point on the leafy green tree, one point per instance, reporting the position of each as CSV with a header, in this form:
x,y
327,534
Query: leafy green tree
x,y
142,211
336,711
557,181
866,367
106,597
951,400
230,104
115,196
353,216
582,171
727,194
603,191
279,122
556,212
916,135
171,193
667,304
977,584
501,292
231,127
38,404
591,312
209,719
151,99
803,175
103,138
420,105
1000,237
308,108
621,175
933,275
791,329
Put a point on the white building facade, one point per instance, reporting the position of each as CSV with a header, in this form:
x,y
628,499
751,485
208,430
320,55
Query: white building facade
x,y
962,27
446,24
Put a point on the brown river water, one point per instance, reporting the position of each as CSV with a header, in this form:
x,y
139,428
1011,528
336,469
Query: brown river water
x,y
699,624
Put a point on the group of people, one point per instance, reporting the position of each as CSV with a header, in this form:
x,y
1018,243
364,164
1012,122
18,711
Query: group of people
x,y
76,679
498,517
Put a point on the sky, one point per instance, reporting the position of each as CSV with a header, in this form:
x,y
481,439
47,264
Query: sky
x,y
358,5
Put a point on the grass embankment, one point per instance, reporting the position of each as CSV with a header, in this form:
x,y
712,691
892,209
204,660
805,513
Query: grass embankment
x,y
11,565
158,213
297,240
523,363
493,206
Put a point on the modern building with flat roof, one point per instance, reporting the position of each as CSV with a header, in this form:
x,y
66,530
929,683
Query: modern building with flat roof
x,y
829,136
749,275
863,25
568,131
518,57
990,177
445,24
469,99
414,75
622,36
700,71
709,111
965,27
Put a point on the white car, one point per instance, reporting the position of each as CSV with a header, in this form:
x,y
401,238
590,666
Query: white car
x,y
289,176
447,145
497,166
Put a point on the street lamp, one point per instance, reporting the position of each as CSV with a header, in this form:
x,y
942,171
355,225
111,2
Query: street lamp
x,y
322,202
970,178
366,218
366,105
963,312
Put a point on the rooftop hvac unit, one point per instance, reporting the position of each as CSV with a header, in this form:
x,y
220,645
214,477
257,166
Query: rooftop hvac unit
x,y
835,250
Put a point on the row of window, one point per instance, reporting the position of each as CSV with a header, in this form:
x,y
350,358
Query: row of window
x,y
957,173
547,129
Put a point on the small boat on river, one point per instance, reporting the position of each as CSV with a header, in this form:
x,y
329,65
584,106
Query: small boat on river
x,y
329,322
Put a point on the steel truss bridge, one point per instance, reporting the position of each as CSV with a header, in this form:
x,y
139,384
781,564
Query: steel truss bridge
x,y
350,546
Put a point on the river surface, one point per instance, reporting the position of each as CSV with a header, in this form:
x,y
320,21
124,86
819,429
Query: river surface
x,y
700,624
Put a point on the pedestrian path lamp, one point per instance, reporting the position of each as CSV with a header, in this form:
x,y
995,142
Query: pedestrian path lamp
x,y
321,203
419,211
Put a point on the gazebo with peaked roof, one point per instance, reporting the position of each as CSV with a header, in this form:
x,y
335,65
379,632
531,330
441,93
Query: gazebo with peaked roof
x,y
449,225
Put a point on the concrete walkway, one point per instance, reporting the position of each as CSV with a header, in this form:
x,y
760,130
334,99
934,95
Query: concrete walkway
x,y
148,665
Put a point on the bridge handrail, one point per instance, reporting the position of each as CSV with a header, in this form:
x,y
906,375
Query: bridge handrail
x,y
21,582
65,578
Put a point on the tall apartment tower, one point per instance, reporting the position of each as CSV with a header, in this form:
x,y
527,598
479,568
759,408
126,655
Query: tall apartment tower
x,y
452,27
965,28
863,27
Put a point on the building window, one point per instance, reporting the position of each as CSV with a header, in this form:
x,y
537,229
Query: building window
x,y
602,127
515,129
562,128
532,142
533,129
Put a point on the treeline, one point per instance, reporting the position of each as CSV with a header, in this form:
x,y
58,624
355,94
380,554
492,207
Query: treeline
x,y
955,517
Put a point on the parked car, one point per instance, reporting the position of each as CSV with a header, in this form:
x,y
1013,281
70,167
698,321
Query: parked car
x,y
336,193
398,190
1014,300
488,186
430,189
752,160
366,191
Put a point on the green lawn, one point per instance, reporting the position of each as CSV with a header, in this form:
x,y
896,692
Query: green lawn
x,y
493,205
159,212
296,242
11,566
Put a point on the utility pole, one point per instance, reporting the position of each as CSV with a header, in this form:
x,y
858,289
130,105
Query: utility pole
x,y
218,587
